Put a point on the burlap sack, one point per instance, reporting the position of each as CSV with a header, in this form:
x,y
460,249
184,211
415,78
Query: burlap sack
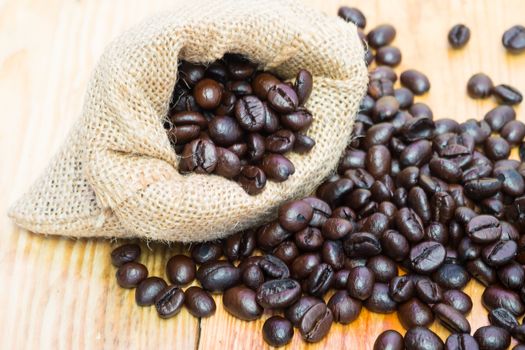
x,y
116,175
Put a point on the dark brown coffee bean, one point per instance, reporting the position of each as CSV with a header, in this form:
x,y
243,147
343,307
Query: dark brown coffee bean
x,y
206,252
279,293
353,15
416,81
333,254
225,131
418,201
198,302
148,290
421,338
295,216
282,98
341,279
484,229
252,179
499,116
378,160
458,36
401,289
274,267
429,291
404,97
320,280
451,318
445,125
383,268
277,331
241,303
255,144
503,318
410,225
316,323
381,35
395,245
506,94
451,276
497,148
418,128
417,153
383,72
388,55
378,88
389,340
207,93
513,132
458,300
169,302
130,274
414,313
296,312
514,39
344,308
427,257
360,282
380,301
124,254
303,144
180,270
250,113
321,211
277,167
218,276
361,244
385,108
461,342
512,275
479,86
281,141
481,271
262,83
304,264
493,338
240,149
499,253
228,163
252,276
495,296
303,86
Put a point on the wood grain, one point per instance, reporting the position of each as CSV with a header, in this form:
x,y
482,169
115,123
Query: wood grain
x,y
59,293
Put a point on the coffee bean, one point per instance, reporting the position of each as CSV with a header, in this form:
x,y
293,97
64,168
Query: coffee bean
x,y
130,274
274,267
383,268
427,257
404,97
299,120
410,225
506,94
484,229
320,280
481,271
252,276
421,338
458,300
512,275
479,86
218,275
418,128
262,83
341,279
461,342
499,253
503,318
417,153
333,254
295,216
360,283
241,303
380,301
198,302
385,108
304,264
389,340
414,313
513,132
381,35
252,179
378,88
169,302
458,36
451,318
494,297
277,331
255,144
316,323
180,270
321,211
148,290
124,254
250,113
206,252
278,293
451,276
296,312
428,291
361,244
420,109
401,289
493,338
418,201
497,148
238,66
277,167
303,86
383,72
388,55
303,144
499,116
344,308
282,98
514,39
416,81
309,239
207,93
281,141
352,14
228,163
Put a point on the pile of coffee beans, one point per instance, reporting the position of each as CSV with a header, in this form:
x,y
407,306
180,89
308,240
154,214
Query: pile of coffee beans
x,y
440,200
234,121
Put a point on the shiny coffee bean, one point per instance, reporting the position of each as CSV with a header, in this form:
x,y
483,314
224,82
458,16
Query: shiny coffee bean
x,y
148,290
451,318
252,179
416,81
361,244
303,86
303,144
483,229
503,318
481,271
479,86
278,293
381,35
512,275
180,270
320,280
506,94
360,283
281,141
282,98
198,302
344,308
451,276
277,331
499,253
421,338
124,254
429,291
169,302
380,301
353,15
383,268
218,275
296,312
401,289
304,264
495,296
389,340
458,300
499,117
461,342
388,55
316,323
514,39
414,313
458,36
130,274
277,167
493,338
241,302
513,132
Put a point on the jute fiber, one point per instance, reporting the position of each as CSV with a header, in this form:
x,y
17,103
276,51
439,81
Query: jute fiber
x,y
116,174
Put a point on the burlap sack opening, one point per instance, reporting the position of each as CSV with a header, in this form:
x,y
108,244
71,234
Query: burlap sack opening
x,y
116,175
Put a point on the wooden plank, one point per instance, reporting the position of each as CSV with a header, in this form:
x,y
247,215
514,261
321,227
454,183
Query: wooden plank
x,y
60,293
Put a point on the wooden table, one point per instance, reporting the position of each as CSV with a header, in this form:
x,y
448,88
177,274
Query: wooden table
x,y
61,293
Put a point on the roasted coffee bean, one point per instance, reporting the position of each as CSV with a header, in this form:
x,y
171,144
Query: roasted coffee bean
x,y
512,183
464,214
514,39
421,338
352,14
429,291
461,342
240,149
169,302
499,253
414,313
225,131
493,338
250,113
303,86
418,201
481,271
381,35
281,141
417,153
238,66
277,167
360,283
458,300
503,318
458,36
316,323
278,293
191,73
218,276
497,148
304,264
408,177
262,83
277,331
495,296
295,216
344,308
252,179
451,276
512,275
445,169
360,178
506,94
240,88
124,254
321,211
333,254
207,93
341,279
416,81
482,188
401,289
241,303
484,229
418,128
451,318
420,109
410,225
499,117
299,120
380,301
130,274
274,267
378,88
445,125
309,239
479,86
296,312
427,257
361,244
239,245
336,228
378,161
388,55
437,232
376,224
206,252
303,144
252,276
513,132
282,98
378,134
255,145
271,235
228,163
389,340
352,159
478,130
320,280
198,302
383,72
180,270
148,290
383,268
